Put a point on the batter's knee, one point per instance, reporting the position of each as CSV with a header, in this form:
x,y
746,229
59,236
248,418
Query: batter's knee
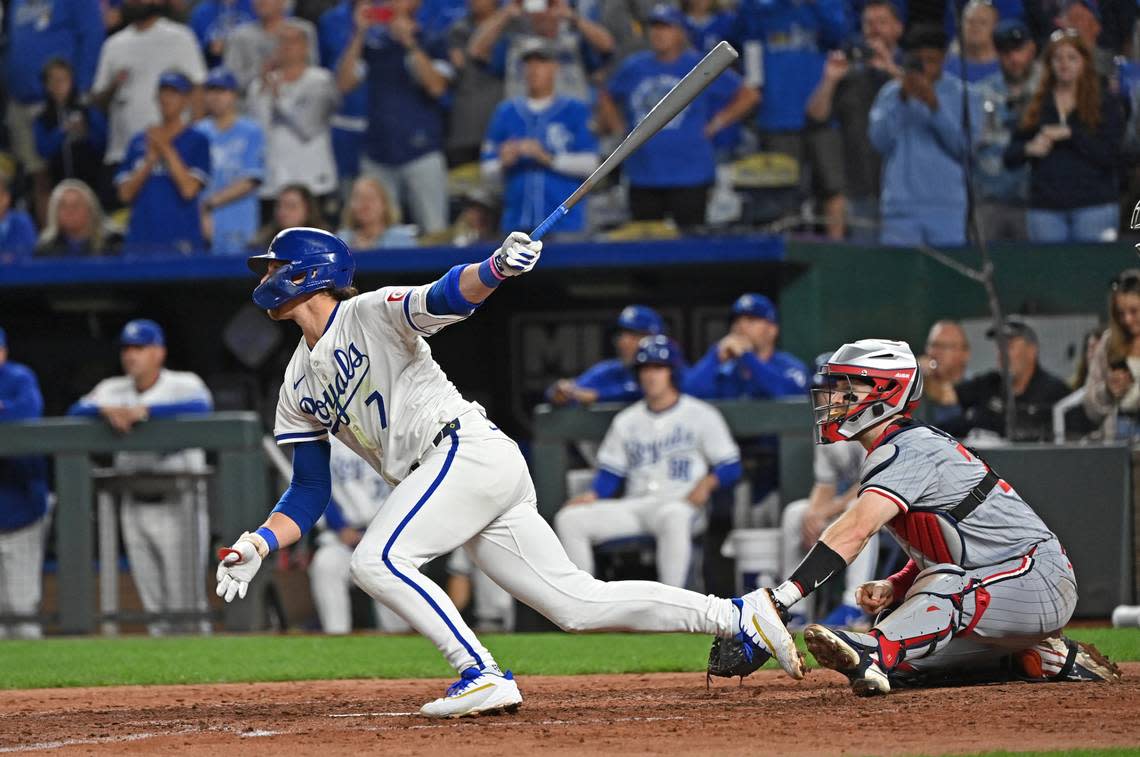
x,y
370,573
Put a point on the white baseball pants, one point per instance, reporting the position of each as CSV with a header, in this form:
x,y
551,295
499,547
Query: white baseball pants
x,y
330,582
167,545
474,489
580,527
21,577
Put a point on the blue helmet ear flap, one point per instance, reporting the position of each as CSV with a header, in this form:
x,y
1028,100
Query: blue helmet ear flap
x,y
319,259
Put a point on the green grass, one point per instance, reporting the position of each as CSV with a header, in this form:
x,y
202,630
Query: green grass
x,y
142,660
1114,752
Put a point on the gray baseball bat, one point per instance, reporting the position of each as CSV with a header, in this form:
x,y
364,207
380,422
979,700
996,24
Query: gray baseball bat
x,y
683,93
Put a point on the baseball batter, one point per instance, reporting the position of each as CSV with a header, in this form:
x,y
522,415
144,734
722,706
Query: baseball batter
x,y
364,373
671,452
986,578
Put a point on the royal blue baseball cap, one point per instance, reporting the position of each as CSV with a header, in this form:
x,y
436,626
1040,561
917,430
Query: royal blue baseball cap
x,y
667,14
141,332
756,305
175,80
221,78
641,318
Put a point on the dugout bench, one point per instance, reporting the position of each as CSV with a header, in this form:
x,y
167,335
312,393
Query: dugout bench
x,y
240,486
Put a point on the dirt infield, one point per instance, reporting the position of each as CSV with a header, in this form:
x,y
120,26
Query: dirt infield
x,y
626,714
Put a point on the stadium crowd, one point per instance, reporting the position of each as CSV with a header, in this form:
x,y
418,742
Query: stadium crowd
x,y
155,126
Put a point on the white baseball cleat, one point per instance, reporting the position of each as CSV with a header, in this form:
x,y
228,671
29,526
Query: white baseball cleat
x,y
762,626
477,692
851,654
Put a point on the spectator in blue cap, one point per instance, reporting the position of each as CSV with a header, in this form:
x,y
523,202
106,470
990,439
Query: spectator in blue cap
x,y
23,505
237,158
612,380
745,363
162,529
163,173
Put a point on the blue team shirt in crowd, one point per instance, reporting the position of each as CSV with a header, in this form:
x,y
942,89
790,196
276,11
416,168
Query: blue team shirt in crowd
x,y
17,234
237,153
334,30
975,72
404,121
782,375
39,30
161,221
213,20
533,190
704,36
23,480
679,155
793,37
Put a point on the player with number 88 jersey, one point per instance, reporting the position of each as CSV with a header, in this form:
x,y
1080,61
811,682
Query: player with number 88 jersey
x,y
364,374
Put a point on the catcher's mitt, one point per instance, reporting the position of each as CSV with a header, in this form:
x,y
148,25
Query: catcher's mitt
x,y
729,658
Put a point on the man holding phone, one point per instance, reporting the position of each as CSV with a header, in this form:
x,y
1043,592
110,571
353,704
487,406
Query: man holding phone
x,y
406,74
916,126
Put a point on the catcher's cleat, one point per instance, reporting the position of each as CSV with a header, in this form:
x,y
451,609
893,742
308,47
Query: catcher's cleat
x,y
477,692
847,653
762,628
1059,658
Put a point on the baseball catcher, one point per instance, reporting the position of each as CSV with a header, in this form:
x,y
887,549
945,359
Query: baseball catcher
x,y
988,584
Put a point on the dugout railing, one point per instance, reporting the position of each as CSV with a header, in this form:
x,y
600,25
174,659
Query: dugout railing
x,y
233,439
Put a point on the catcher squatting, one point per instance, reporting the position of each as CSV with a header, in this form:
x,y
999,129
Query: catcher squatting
x,y
364,373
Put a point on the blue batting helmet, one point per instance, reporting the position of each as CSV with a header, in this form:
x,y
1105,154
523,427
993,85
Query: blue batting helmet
x,y
658,350
640,318
317,258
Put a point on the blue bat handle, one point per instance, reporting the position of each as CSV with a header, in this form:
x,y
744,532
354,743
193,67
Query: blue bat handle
x,y
548,224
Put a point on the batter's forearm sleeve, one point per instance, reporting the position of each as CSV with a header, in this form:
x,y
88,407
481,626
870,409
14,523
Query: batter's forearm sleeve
x,y
445,298
901,581
311,488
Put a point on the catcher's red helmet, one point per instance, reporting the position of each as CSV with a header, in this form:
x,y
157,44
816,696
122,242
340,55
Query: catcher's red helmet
x,y
886,370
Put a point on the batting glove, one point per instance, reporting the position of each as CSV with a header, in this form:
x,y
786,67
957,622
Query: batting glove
x,y
517,255
239,564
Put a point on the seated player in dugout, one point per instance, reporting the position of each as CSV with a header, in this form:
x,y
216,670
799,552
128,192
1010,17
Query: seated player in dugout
x,y
988,587
670,452
612,380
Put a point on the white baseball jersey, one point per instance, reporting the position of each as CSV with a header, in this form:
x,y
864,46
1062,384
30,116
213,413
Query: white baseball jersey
x,y
665,454
358,490
370,381
171,388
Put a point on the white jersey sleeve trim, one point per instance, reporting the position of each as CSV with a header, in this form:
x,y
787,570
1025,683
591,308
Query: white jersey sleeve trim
x,y
300,436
